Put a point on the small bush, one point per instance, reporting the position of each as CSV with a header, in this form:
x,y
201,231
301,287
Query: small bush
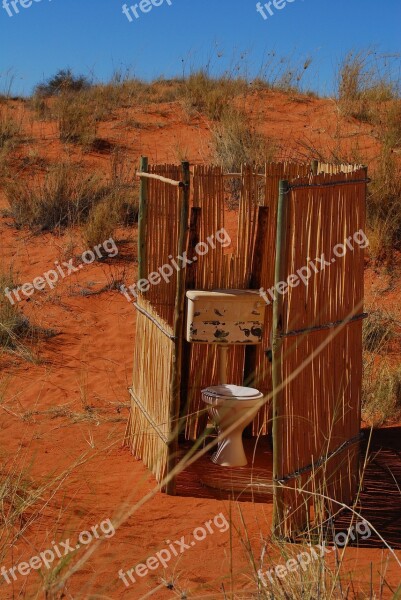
x,y
119,207
126,93
125,192
391,135
210,96
381,393
378,331
102,221
77,119
40,107
9,127
13,325
63,81
364,84
283,73
236,142
64,197
384,206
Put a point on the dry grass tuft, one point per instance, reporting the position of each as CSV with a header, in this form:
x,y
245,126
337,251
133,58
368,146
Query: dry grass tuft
x,y
64,197
119,206
391,135
378,331
14,326
17,334
384,208
102,221
210,96
283,73
77,119
236,142
40,107
381,392
9,127
364,82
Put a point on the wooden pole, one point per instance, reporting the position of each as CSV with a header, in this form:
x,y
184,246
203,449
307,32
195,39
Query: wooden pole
x,y
190,283
315,166
194,238
142,220
176,365
358,416
254,284
278,328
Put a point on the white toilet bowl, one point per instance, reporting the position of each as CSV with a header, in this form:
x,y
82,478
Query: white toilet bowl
x,y
231,407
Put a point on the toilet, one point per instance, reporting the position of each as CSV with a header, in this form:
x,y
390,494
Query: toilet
x,y
226,318
231,408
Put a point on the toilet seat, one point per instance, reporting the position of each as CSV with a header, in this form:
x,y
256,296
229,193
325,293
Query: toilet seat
x,y
231,395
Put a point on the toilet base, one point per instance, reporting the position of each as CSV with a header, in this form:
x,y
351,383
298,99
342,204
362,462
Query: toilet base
x,y
230,451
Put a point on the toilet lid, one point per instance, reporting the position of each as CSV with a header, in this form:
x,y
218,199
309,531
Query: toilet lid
x,y
232,391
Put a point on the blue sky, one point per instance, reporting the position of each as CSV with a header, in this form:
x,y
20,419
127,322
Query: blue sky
x,y
95,37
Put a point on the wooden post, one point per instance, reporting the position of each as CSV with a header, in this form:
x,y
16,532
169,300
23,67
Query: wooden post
x,y
254,284
176,366
193,240
315,166
142,219
278,328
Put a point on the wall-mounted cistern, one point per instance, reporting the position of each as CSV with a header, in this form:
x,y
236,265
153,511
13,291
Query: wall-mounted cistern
x,y
225,318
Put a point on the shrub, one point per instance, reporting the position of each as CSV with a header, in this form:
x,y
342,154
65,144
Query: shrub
x,y
13,325
364,84
392,125
40,106
381,392
66,197
384,206
125,192
63,197
77,119
63,81
378,331
102,221
283,73
9,127
210,96
235,142
118,207
125,92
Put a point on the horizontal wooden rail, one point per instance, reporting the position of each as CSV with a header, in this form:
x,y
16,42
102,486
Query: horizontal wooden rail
x,y
329,184
160,178
242,174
